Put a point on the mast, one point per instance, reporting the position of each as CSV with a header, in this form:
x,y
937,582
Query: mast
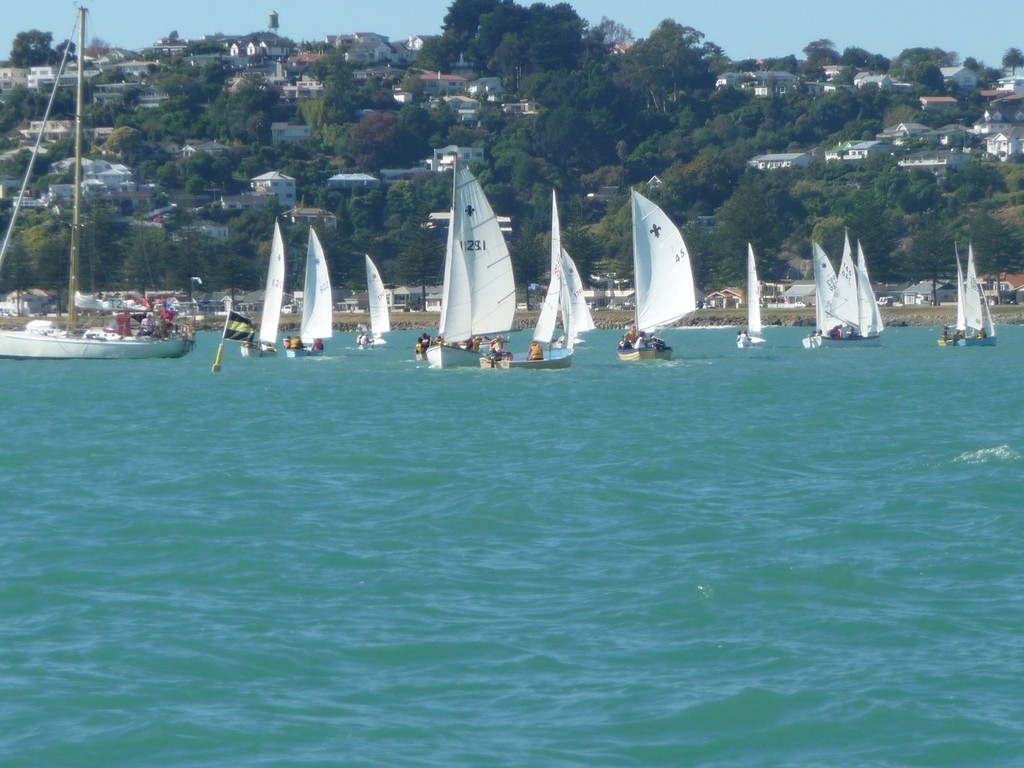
x,y
76,222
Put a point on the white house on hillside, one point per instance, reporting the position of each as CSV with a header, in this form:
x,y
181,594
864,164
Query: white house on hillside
x,y
780,160
1007,143
277,184
963,79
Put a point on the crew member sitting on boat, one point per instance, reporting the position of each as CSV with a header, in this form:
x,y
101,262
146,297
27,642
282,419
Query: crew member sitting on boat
x,y
297,343
655,342
641,341
536,351
497,348
625,343
147,325
318,345
836,333
945,333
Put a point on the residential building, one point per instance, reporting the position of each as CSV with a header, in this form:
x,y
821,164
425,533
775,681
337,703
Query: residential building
x,y
11,77
935,104
351,181
858,151
444,158
963,79
277,184
302,89
285,133
938,163
436,84
780,160
898,134
1006,144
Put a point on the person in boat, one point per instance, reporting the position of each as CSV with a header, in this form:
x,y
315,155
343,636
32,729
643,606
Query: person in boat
x,y
631,335
945,333
741,336
287,343
536,351
496,348
836,333
641,341
297,343
148,325
981,333
318,345
656,342
625,343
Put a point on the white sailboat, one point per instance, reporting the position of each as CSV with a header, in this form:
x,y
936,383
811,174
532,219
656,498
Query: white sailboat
x,y
542,353
317,321
663,275
751,336
43,339
272,299
974,326
576,315
478,296
845,307
380,320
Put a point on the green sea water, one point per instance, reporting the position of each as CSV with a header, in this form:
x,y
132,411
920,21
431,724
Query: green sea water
x,y
768,557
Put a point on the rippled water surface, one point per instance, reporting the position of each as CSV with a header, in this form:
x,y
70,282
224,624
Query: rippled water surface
x,y
739,558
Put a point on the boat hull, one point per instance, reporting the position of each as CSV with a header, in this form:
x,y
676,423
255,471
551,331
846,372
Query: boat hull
x,y
96,345
556,359
972,341
304,353
637,355
813,342
851,341
259,352
750,341
444,356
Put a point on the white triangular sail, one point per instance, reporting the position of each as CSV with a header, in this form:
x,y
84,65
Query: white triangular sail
x,y
273,295
870,322
380,319
824,287
575,313
843,309
544,332
961,319
754,326
661,264
456,311
492,290
317,304
976,312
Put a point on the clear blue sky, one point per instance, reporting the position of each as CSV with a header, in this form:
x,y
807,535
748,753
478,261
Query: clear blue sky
x,y
743,28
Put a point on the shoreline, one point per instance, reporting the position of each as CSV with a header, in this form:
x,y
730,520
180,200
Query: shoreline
x,y
893,317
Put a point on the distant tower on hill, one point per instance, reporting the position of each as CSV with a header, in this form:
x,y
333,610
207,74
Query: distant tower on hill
x,y
273,23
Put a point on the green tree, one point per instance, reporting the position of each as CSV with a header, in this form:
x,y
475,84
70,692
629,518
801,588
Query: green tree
x,y
34,49
1012,59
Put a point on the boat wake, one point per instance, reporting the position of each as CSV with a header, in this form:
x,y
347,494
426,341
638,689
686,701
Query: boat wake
x,y
1001,453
